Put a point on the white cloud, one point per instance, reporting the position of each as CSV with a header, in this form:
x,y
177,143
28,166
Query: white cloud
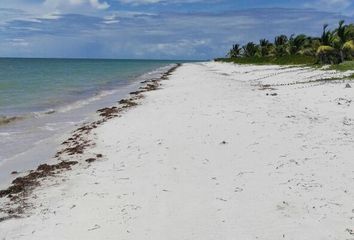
x,y
51,15
99,5
11,10
330,5
137,2
140,2
18,42
69,4
111,19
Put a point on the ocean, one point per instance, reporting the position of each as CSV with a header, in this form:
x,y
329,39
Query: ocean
x,y
42,100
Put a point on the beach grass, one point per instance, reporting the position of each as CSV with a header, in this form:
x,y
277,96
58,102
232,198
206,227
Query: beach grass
x,y
345,66
351,77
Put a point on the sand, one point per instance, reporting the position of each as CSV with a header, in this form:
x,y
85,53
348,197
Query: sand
x,y
220,151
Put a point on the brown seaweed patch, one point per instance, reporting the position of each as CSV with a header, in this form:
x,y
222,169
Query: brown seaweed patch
x,y
128,102
78,148
7,120
31,180
108,112
170,71
9,217
136,92
266,87
90,160
150,80
22,187
150,86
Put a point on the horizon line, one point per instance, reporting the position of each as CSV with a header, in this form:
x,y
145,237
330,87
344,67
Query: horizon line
x,y
92,58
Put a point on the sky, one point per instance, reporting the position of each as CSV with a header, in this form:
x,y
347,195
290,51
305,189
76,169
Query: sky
x,y
155,29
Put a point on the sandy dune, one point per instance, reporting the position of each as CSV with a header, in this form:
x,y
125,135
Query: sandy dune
x,y
216,153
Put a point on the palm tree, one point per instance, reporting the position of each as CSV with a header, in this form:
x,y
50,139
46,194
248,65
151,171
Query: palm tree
x,y
310,46
280,43
297,43
281,40
350,31
250,49
235,51
341,32
342,36
326,52
327,36
331,47
264,47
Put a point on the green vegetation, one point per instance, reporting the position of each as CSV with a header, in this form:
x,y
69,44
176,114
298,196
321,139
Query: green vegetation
x,y
345,66
284,60
332,47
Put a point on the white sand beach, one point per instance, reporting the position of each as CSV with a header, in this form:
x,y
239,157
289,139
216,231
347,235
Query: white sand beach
x,y
218,152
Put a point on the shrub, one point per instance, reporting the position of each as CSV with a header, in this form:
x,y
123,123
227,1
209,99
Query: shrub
x,y
328,55
307,52
348,50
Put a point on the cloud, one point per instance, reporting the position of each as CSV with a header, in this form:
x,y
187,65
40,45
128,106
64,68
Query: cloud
x,y
331,5
51,15
111,19
99,5
18,42
77,29
137,2
144,2
69,4
187,48
129,34
36,11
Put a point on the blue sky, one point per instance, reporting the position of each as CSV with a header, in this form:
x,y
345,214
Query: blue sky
x,y
158,29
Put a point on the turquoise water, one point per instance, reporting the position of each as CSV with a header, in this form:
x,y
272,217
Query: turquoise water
x,y
43,100
31,85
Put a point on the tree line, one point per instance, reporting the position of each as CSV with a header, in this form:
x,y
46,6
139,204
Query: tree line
x,y
332,47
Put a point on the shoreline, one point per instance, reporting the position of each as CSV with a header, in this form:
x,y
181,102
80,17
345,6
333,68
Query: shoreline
x,y
219,151
30,142
22,186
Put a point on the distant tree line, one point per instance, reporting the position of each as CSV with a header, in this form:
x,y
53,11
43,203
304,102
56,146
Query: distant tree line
x,y
332,47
